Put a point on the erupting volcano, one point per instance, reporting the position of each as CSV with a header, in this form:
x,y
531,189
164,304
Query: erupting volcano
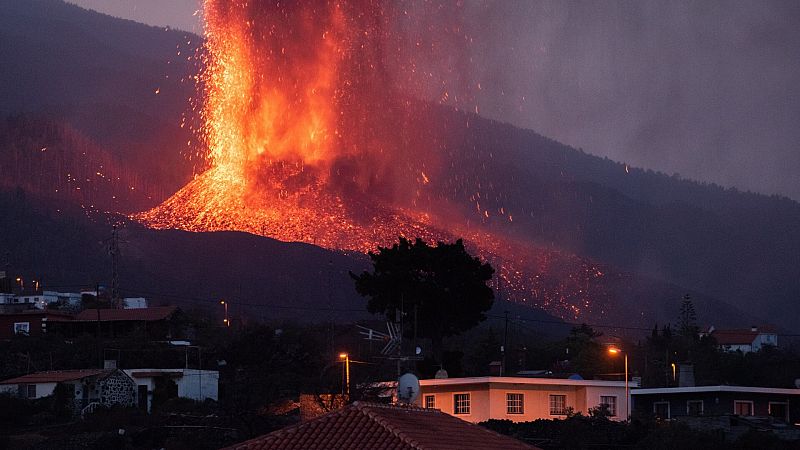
x,y
315,129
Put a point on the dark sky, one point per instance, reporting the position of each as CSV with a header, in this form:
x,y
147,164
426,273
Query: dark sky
x,y
708,89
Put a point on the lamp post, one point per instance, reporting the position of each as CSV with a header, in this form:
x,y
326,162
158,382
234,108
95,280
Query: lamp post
x,y
226,321
346,358
616,351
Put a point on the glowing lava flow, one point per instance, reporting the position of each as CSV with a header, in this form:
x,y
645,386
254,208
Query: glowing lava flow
x,y
306,142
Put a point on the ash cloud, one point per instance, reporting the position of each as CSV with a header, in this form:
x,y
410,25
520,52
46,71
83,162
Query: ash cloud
x,y
710,89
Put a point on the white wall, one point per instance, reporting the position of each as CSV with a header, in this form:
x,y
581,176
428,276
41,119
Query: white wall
x,y
194,384
593,395
199,384
488,400
42,389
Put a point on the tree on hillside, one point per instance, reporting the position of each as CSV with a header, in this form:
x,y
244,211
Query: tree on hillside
x,y
687,318
443,286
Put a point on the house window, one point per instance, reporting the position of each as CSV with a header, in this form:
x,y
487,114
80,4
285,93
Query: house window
x,y
22,327
779,410
611,403
461,404
694,407
661,410
515,403
743,407
558,405
430,401
27,390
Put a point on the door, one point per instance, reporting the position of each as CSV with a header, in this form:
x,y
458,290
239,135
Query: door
x,y
141,397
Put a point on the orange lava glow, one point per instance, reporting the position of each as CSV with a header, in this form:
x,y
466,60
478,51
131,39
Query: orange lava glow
x,y
303,135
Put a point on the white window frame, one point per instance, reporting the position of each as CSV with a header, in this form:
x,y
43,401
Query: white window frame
x,y
786,404
702,406
455,404
431,404
669,408
27,326
615,412
521,404
550,404
752,406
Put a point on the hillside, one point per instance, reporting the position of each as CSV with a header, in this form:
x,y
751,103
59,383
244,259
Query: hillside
x,y
261,278
659,236
100,76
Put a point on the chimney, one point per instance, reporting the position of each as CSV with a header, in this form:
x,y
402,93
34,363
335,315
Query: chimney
x,y
110,364
753,328
495,368
685,375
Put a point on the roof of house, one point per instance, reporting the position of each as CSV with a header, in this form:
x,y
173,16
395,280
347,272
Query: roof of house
x,y
49,313
57,376
118,315
522,380
383,427
701,389
738,337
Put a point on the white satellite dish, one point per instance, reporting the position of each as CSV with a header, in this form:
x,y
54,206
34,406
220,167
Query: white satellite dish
x,y
407,388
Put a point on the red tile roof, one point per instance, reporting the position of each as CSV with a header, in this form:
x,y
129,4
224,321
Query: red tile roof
x,y
50,314
56,376
118,315
739,337
383,427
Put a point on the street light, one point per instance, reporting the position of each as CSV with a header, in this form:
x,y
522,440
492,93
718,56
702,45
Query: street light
x,y
615,351
346,358
226,321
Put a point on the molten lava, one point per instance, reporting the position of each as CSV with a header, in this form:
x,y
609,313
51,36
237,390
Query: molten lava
x,y
311,135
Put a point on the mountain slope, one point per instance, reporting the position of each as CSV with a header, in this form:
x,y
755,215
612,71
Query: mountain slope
x,y
660,236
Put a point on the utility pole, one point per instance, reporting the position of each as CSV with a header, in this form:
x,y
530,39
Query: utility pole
x,y
505,349
97,308
114,252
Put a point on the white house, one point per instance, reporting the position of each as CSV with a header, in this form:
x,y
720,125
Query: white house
x,y
40,300
746,340
100,386
519,399
194,384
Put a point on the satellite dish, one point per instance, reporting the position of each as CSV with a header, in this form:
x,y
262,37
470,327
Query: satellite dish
x,y
407,388
441,374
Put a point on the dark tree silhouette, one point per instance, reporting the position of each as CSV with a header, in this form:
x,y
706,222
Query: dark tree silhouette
x,y
687,318
445,284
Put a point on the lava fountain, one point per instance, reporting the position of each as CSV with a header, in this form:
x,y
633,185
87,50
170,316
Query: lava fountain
x,y
305,128
313,132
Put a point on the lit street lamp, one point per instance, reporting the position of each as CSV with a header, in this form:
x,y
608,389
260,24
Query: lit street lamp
x,y
346,358
226,321
616,351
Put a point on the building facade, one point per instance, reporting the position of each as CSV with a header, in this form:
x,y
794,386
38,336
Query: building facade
x,y
677,402
29,322
744,340
520,399
194,384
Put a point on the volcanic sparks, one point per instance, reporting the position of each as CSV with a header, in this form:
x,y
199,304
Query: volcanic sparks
x,y
312,134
